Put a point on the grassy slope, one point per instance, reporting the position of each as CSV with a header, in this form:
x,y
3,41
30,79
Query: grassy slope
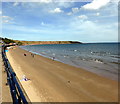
x,y
47,42
9,41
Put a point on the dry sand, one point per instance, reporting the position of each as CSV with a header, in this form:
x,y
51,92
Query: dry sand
x,y
52,81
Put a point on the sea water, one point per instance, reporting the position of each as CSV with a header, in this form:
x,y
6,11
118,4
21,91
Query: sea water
x,y
100,58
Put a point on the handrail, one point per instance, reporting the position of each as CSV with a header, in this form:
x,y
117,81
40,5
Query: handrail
x,y
15,89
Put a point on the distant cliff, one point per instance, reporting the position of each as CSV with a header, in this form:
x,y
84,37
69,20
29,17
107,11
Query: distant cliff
x,y
48,42
11,41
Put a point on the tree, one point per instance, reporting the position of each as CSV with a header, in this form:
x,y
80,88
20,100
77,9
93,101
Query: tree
x,y
19,43
7,41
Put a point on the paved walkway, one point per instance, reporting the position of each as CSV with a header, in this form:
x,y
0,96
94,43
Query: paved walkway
x,y
4,90
0,77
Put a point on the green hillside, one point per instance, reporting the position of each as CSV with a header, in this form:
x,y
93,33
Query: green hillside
x,y
9,41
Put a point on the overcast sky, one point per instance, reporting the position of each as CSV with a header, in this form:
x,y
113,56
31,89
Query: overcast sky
x,y
94,21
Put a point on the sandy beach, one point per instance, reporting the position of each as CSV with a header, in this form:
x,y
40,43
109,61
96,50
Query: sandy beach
x,y
53,81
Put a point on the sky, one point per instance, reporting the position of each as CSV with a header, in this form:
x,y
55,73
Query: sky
x,y
48,20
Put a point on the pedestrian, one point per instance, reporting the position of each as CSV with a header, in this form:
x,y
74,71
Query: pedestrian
x,y
53,58
25,54
32,55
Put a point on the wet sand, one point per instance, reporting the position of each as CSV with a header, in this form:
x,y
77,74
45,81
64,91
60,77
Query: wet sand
x,y
53,81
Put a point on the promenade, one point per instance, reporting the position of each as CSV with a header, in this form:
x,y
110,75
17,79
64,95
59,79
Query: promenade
x,y
4,89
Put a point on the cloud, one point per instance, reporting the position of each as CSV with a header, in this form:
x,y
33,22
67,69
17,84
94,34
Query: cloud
x,y
93,32
64,4
0,12
96,4
6,19
46,1
69,13
56,10
15,4
97,14
81,25
74,10
42,23
83,17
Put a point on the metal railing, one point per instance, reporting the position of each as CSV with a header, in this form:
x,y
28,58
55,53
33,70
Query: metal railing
x,y
15,89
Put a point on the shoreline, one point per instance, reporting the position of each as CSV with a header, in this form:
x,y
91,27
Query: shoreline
x,y
53,81
96,69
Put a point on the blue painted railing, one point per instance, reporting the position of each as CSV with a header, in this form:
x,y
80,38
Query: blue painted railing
x,y
15,89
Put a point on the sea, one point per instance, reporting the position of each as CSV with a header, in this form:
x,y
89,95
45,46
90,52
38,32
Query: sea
x,y
100,58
